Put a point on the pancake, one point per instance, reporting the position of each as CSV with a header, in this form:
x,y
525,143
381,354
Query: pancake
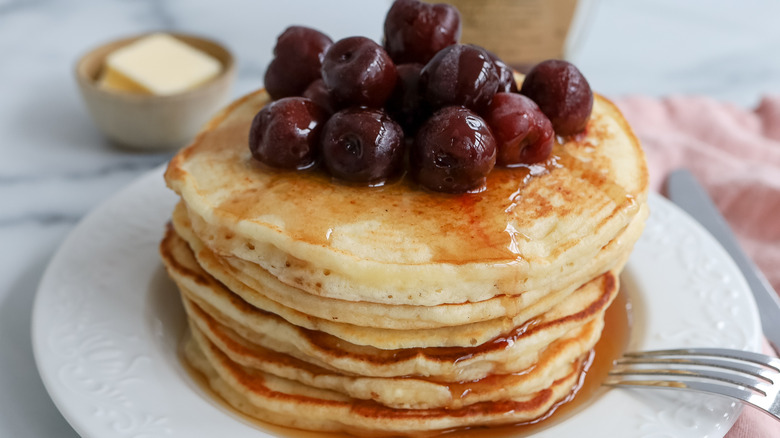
x,y
354,322
394,310
401,392
259,287
281,401
509,352
397,244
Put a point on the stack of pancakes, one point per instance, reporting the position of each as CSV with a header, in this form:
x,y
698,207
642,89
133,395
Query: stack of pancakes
x,y
394,310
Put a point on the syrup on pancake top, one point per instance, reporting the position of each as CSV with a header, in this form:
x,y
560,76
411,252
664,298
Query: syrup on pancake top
x,y
409,244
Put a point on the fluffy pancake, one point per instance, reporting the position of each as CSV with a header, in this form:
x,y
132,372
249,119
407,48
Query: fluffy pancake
x,y
401,392
399,244
357,322
281,401
263,290
508,352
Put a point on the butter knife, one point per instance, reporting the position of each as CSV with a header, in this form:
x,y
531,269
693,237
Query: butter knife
x,y
688,194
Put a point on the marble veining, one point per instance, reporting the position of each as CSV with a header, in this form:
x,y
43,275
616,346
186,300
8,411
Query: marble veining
x,y
56,166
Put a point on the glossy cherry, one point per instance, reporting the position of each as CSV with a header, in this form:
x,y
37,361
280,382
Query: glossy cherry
x,y
286,133
562,93
363,145
358,71
506,77
406,105
298,56
524,135
460,75
416,31
453,151
318,93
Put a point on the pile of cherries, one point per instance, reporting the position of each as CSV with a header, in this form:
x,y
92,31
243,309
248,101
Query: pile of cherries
x,y
445,112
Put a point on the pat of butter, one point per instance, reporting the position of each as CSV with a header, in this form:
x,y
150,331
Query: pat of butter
x,y
158,64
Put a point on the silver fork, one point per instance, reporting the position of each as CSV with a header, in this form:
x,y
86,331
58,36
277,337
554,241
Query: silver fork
x,y
751,378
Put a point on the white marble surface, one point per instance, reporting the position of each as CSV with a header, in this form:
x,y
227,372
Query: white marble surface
x,y
56,166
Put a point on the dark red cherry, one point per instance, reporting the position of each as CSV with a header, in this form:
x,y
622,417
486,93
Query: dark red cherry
x,y
362,145
453,151
415,31
524,135
298,56
562,93
317,93
406,105
358,71
286,133
460,75
506,77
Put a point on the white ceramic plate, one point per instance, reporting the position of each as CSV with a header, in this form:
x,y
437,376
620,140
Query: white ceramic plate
x,y
107,321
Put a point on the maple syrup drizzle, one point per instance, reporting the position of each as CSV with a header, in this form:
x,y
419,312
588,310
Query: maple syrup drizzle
x,y
480,225
614,340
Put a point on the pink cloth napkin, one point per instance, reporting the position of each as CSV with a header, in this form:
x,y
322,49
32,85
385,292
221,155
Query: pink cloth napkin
x,y
735,153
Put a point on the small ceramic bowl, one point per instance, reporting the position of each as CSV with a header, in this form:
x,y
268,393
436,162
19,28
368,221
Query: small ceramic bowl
x,y
154,122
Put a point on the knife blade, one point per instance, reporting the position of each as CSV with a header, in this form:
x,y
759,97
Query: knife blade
x,y
688,194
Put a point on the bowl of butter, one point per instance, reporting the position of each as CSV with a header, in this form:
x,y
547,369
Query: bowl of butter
x,y
155,91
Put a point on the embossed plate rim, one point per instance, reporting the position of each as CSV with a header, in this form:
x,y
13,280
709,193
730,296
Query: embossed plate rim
x,y
105,347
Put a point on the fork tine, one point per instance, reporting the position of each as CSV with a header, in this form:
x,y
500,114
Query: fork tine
x,y
749,377
741,394
746,356
750,368
733,378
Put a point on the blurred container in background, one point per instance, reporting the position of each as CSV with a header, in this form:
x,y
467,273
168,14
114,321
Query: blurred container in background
x,y
523,32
